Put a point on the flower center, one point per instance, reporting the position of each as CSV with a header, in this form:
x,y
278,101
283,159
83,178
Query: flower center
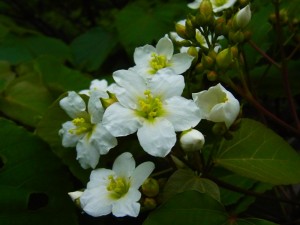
x,y
150,107
157,62
117,187
82,124
219,3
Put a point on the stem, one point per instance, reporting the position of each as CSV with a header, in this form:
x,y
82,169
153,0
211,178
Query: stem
x,y
258,49
284,67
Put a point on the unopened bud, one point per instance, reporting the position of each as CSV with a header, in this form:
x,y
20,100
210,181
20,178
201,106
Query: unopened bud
x,y
150,187
199,68
207,61
180,30
234,51
191,140
189,28
224,58
212,76
206,13
193,52
243,17
149,203
220,26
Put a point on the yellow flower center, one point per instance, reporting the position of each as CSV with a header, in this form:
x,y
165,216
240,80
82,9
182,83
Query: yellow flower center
x,y
82,124
117,187
150,107
219,3
157,62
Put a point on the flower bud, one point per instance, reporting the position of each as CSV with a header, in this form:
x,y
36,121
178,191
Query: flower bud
x,y
243,17
207,61
206,13
224,58
189,28
150,187
191,140
149,203
212,75
180,30
193,52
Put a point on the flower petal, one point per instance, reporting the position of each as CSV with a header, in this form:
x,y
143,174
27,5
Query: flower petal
x,y
166,85
128,205
87,155
165,47
124,165
69,139
120,121
141,173
182,113
142,55
95,107
181,62
158,137
195,4
72,104
102,139
99,177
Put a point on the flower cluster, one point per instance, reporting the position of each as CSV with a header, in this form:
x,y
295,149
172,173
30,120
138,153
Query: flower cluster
x,y
146,99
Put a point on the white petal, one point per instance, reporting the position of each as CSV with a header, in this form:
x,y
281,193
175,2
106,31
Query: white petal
x,y
142,55
95,108
165,47
100,85
166,86
141,173
181,62
99,177
124,165
102,139
120,121
69,139
133,83
182,113
195,4
127,206
157,138
217,8
96,201
72,104
87,155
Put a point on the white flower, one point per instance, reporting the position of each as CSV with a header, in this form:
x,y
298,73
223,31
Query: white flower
x,y
85,131
243,16
149,59
192,140
218,5
153,108
98,86
116,190
217,105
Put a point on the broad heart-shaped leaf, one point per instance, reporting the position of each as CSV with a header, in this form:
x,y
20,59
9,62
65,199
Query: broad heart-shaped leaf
x,y
25,99
257,152
184,180
92,48
33,182
48,129
58,77
192,207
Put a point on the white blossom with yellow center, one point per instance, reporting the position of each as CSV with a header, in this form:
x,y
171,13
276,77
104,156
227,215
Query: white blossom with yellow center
x,y
85,131
217,104
149,59
116,191
154,108
218,5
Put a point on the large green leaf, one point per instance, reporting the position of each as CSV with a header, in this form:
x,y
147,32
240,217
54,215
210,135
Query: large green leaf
x,y
258,153
184,180
33,182
92,48
48,129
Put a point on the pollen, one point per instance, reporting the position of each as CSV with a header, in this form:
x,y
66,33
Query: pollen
x,y
117,187
82,126
157,62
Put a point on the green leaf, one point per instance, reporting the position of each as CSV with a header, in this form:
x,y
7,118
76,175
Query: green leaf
x,y
60,78
258,153
6,75
253,221
187,208
48,129
25,99
184,180
92,48
33,183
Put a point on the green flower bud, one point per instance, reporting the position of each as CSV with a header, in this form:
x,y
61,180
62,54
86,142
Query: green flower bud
x,y
193,52
189,28
149,203
207,61
224,58
243,17
180,30
150,187
212,76
206,13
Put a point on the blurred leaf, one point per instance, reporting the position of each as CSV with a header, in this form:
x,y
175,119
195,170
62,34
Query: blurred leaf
x,y
17,49
187,208
25,99
33,183
6,75
184,180
58,77
138,25
253,221
258,153
48,129
92,48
